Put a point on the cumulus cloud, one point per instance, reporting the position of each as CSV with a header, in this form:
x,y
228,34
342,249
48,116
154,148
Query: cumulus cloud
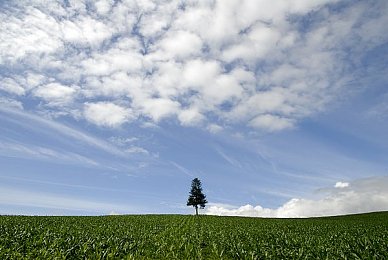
x,y
190,117
180,44
271,122
106,114
214,128
10,103
85,31
11,86
341,184
248,63
159,108
56,94
359,196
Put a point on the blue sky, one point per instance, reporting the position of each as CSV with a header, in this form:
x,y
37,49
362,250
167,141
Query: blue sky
x,y
113,107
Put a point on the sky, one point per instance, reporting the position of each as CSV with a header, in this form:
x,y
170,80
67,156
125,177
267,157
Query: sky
x,y
280,108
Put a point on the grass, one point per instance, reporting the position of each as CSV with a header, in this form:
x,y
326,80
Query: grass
x,y
363,236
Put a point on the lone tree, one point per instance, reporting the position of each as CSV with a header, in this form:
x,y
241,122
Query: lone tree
x,y
196,196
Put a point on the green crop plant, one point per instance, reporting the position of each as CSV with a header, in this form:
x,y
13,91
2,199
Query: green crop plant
x,y
363,236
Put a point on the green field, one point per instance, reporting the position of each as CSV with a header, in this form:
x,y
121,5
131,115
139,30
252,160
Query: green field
x,y
362,236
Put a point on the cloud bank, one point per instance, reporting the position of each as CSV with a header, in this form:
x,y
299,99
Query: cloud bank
x,y
201,63
365,195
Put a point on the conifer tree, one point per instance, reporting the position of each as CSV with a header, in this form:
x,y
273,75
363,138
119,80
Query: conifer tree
x,y
196,196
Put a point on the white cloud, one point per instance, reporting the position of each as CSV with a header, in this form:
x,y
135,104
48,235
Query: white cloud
x,y
27,33
364,195
113,213
214,128
85,30
199,74
107,114
111,61
182,169
10,103
13,149
341,185
121,141
56,94
104,6
35,123
271,122
232,161
190,117
159,108
136,149
244,62
33,80
255,45
180,44
11,86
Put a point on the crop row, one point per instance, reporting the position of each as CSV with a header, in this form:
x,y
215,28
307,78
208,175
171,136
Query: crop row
x,y
189,237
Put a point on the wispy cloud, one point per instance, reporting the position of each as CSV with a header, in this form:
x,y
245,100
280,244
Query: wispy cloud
x,y
79,187
46,139
13,149
34,121
182,169
229,159
43,200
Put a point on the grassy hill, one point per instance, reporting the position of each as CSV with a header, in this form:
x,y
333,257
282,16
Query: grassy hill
x,y
362,236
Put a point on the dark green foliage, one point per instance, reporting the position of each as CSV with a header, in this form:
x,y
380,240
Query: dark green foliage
x,y
188,237
196,196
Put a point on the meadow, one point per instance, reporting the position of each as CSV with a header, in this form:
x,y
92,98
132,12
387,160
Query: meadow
x,y
363,236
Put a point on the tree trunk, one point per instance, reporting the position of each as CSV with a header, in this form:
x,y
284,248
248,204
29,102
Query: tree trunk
x,y
196,210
